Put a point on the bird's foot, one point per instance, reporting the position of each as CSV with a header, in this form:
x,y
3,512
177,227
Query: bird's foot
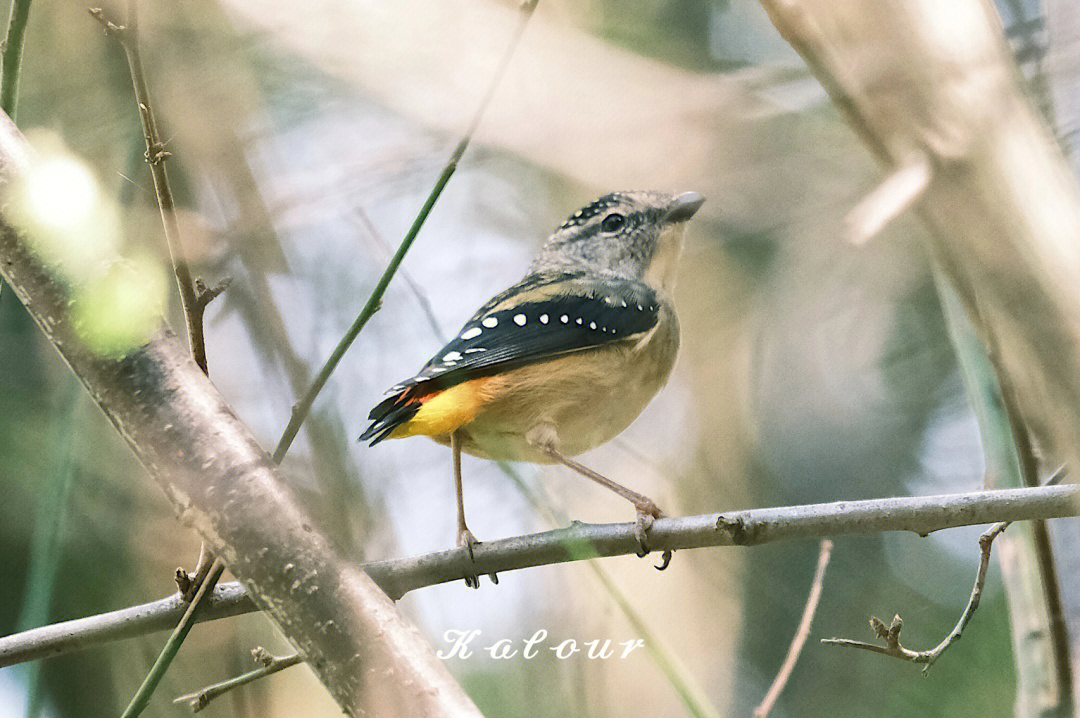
x,y
467,541
647,513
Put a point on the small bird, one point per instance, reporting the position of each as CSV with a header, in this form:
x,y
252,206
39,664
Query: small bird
x,y
565,359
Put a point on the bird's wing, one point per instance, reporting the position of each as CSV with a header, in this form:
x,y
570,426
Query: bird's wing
x,y
541,317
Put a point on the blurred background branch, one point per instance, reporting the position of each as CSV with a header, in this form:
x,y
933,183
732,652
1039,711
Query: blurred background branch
x,y
1003,208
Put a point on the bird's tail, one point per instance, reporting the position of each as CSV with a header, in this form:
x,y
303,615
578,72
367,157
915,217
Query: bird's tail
x,y
391,413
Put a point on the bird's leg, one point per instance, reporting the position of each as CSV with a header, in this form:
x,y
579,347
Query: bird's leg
x,y
465,538
647,510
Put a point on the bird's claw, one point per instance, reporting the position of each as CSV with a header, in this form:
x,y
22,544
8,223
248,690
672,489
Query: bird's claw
x,y
646,515
467,541
641,527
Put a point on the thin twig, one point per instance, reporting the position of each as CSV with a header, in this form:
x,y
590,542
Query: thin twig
x,y
895,194
270,665
921,515
801,634
128,36
303,406
194,298
172,646
890,634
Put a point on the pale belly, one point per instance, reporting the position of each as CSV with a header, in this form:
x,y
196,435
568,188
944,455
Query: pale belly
x,y
586,398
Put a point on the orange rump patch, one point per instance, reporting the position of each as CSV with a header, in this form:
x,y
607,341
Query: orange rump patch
x,y
446,411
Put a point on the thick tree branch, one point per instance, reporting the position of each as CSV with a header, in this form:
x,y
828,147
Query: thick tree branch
x,y
1002,205
922,515
224,485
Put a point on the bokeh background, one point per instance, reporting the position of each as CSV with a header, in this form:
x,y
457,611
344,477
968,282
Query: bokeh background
x,y
305,137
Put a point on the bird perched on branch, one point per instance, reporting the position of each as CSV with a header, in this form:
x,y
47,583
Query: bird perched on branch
x,y
564,360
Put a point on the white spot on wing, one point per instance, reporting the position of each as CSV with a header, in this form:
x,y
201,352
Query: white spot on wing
x,y
564,319
520,320
543,319
490,322
471,333
579,321
451,356
592,325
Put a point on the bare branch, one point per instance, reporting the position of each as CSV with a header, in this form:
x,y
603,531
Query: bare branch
x,y
890,635
150,683
922,515
801,634
128,36
270,665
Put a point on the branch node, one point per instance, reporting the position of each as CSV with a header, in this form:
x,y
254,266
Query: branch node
x,y
110,28
155,152
205,294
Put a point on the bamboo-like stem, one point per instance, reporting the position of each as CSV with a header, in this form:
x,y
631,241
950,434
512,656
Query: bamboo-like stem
x,y
303,407
10,64
12,56
921,515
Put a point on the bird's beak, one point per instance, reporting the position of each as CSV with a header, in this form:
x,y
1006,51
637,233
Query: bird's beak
x,y
683,207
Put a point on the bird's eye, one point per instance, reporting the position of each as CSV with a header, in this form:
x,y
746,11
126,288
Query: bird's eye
x,y
613,222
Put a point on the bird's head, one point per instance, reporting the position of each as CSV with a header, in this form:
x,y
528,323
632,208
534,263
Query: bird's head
x,y
635,235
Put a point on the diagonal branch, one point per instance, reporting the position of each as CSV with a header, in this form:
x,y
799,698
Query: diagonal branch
x,y
922,515
801,634
303,407
223,484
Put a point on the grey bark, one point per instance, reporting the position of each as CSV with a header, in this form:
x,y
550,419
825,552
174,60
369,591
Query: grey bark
x,y
222,484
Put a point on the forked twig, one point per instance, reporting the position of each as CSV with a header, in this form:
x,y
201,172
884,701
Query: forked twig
x,y
270,664
890,634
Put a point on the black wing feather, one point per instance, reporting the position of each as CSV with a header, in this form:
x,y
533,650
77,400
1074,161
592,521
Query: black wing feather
x,y
506,335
